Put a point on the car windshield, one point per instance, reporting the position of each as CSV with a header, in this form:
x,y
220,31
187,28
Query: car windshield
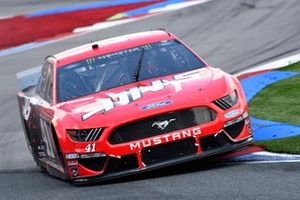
x,y
119,68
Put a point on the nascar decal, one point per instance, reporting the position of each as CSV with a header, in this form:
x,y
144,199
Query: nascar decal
x,y
165,138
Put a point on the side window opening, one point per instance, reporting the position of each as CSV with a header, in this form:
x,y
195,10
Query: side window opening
x,y
45,85
49,89
42,80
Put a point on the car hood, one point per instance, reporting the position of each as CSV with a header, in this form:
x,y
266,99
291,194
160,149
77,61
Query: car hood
x,y
142,98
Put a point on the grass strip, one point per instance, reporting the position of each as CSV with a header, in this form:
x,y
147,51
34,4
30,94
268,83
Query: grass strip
x,y
280,102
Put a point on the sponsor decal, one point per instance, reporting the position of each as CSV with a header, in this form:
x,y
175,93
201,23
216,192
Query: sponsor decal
x,y
236,120
74,171
27,106
245,115
93,155
156,105
231,114
162,124
165,138
133,94
72,163
71,156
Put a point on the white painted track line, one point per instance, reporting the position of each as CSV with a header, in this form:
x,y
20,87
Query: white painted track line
x,y
273,65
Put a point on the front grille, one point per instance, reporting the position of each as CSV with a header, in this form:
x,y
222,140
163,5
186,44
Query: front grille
x,y
161,124
235,129
211,142
95,164
169,151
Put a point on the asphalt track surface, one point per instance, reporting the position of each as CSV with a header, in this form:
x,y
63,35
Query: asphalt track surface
x,y
19,7
230,34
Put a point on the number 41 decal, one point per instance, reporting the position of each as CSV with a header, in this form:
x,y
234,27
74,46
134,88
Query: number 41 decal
x,y
90,148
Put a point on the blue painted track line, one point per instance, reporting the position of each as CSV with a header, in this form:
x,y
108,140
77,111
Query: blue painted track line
x,y
264,129
145,10
84,7
256,83
268,130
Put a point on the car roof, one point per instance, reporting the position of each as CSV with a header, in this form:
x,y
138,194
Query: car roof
x,y
111,45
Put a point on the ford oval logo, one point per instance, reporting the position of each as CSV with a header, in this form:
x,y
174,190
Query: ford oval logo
x,y
156,105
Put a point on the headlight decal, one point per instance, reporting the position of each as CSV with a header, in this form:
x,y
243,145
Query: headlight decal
x,y
227,101
86,135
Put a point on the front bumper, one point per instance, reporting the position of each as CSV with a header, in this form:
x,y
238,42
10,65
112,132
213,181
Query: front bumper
x,y
223,149
188,144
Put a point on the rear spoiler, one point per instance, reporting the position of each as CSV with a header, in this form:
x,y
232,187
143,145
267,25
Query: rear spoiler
x,y
28,77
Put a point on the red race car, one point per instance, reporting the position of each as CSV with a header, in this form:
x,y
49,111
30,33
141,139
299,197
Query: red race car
x,y
130,104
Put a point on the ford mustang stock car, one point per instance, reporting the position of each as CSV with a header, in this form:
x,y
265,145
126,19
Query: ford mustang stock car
x,y
129,104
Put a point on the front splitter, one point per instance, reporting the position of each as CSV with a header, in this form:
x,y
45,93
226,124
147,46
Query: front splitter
x,y
84,180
